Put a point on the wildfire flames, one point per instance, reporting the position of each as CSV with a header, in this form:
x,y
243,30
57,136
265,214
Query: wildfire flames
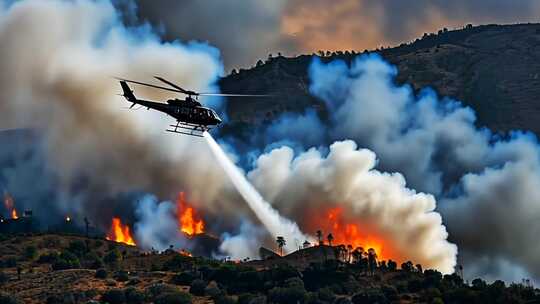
x,y
189,222
10,205
355,234
120,233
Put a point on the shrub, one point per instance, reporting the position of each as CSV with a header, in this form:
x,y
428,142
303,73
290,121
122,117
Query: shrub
x,y
212,290
371,296
114,296
157,289
30,252
112,257
121,276
9,262
197,287
182,278
133,296
223,299
93,261
101,273
98,244
287,295
177,297
62,264
326,295
77,247
245,298
48,258
7,299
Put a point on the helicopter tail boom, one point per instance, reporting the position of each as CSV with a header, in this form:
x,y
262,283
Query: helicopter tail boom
x,y
128,93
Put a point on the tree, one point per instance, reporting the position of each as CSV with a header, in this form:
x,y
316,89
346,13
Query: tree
x,y
260,63
280,242
392,266
330,238
357,254
372,259
407,266
349,252
320,237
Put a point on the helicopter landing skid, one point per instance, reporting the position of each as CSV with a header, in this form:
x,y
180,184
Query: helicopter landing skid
x,y
188,129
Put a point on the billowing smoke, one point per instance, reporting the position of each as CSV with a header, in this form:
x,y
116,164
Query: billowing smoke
x,y
58,59
346,179
268,216
486,183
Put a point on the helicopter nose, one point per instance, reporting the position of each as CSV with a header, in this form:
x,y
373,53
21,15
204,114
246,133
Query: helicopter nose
x,y
218,120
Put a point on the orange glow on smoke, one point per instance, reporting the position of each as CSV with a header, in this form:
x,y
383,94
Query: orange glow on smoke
x,y
10,206
354,233
120,233
189,222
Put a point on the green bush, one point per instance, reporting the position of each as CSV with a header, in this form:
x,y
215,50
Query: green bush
x,y
9,262
223,299
30,252
101,273
112,257
8,299
371,296
326,295
157,289
287,295
114,296
77,247
93,261
121,276
177,297
245,298
182,278
197,287
48,258
133,296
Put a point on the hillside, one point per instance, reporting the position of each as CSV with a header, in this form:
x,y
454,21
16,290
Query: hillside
x,y
495,69
54,269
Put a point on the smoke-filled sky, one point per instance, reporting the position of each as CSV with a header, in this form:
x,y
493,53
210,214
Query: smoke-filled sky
x,y
412,170
251,29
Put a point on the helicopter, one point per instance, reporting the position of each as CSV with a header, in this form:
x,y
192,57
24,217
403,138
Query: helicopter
x,y
191,117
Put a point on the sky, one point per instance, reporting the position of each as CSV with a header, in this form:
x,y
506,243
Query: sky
x,y
248,30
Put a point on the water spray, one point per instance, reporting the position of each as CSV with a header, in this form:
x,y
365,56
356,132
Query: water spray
x,y
276,224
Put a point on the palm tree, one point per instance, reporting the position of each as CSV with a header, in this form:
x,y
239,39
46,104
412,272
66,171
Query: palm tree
x,y
330,238
281,243
319,236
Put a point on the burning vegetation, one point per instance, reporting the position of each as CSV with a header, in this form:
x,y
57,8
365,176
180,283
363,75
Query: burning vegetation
x,y
9,203
120,233
189,221
358,239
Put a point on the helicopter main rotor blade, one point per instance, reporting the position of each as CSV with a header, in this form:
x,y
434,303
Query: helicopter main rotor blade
x,y
176,86
149,85
234,95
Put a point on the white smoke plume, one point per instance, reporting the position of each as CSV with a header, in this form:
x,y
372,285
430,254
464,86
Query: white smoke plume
x,y
346,178
486,183
276,224
156,226
57,61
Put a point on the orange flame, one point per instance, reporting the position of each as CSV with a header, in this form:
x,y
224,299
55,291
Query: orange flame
x,y
10,205
185,253
355,234
120,233
188,220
